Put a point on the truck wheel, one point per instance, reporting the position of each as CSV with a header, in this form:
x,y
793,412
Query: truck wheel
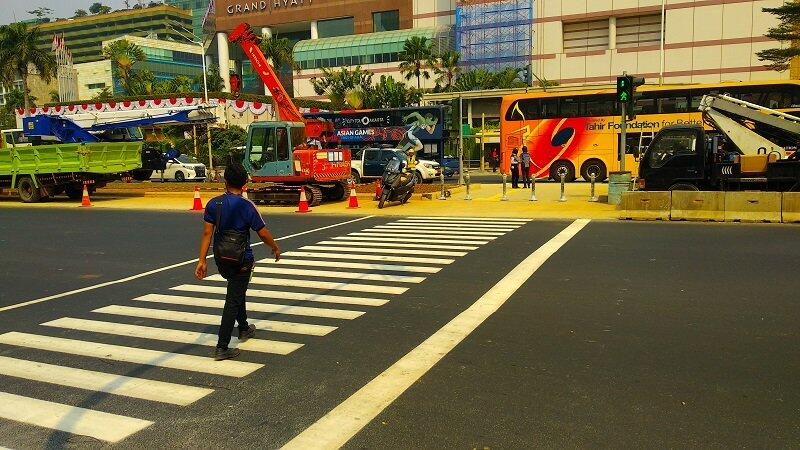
x,y
683,187
74,191
28,192
179,176
562,166
596,167
355,176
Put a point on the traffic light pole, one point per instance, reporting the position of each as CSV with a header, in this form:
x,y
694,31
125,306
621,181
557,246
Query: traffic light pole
x,y
622,137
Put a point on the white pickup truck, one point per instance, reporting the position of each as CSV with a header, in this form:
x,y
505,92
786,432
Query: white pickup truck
x,y
369,163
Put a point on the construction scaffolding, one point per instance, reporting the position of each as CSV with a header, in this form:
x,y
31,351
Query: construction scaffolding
x,y
494,35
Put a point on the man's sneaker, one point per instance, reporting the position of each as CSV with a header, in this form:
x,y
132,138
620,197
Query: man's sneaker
x,y
225,353
247,334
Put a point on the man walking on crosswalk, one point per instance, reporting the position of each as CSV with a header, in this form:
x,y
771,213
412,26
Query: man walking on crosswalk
x,y
229,218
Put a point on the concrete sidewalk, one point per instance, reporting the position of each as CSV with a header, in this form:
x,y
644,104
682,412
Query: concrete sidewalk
x,y
486,203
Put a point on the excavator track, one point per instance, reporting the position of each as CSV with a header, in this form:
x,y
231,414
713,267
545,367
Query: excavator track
x,y
286,195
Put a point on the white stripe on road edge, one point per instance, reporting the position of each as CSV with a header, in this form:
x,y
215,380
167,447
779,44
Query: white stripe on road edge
x,y
452,222
470,219
380,241
162,269
130,354
456,231
344,240
213,319
350,265
391,251
392,237
342,423
314,284
403,259
157,391
252,306
398,234
71,419
301,296
169,335
334,274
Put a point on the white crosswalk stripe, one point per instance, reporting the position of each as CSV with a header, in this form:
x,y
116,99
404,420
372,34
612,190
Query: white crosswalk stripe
x,y
350,265
335,274
214,319
252,306
157,391
129,354
282,295
85,422
368,267
391,251
170,335
356,241
313,284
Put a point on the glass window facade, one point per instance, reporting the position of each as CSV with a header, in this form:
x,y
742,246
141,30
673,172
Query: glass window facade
x,y
335,27
386,21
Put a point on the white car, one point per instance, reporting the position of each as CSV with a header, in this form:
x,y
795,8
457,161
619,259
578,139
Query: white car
x,y
182,168
369,163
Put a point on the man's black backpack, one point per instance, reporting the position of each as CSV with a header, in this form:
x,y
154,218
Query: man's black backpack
x,y
230,246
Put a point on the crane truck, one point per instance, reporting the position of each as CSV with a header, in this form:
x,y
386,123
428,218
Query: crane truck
x,y
748,147
289,155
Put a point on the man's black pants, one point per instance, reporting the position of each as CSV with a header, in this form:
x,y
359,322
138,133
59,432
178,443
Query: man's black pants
x,y
235,311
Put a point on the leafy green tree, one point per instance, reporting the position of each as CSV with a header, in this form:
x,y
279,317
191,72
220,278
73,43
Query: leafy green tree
x,y
279,51
787,31
447,70
474,80
104,95
41,12
99,8
54,96
336,84
390,93
417,52
182,84
80,13
214,81
223,142
508,78
124,55
20,54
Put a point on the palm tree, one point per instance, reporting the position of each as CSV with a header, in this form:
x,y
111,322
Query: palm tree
x,y
279,51
337,84
20,55
124,55
417,51
447,70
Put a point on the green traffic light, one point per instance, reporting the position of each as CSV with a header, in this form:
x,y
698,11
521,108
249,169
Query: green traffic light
x,y
623,96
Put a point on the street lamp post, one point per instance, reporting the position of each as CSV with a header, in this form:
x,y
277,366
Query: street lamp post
x,y
202,58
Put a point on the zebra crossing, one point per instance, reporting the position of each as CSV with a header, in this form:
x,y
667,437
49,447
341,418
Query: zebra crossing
x,y
336,280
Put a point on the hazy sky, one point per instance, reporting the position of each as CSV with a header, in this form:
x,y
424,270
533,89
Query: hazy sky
x,y
61,8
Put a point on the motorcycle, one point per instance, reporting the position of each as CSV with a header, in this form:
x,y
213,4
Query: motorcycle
x,y
397,184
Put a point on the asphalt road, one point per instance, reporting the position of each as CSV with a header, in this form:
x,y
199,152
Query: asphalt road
x,y
629,335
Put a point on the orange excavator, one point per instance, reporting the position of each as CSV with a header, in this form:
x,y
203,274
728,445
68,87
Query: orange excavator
x,y
291,154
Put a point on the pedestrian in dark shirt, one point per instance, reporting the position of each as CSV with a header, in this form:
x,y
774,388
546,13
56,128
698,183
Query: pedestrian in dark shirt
x,y
240,214
525,167
515,168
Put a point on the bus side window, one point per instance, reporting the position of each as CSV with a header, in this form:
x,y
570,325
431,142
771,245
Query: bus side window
x,y
549,109
648,104
569,107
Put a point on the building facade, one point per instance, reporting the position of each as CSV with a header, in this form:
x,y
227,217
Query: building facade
x,y
198,9
85,35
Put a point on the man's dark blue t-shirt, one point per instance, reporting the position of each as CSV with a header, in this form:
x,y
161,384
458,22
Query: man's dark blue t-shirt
x,y
238,213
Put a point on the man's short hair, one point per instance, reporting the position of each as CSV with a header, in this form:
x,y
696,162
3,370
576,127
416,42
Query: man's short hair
x,y
235,174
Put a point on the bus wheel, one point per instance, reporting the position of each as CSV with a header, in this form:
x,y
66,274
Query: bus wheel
x,y
596,167
565,167
683,187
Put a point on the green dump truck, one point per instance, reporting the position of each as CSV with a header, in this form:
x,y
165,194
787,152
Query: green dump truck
x,y
39,169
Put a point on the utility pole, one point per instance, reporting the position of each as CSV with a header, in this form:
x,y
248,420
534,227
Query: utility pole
x,y
622,138
460,140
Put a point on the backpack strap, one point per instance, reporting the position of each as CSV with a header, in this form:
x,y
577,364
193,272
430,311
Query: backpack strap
x,y
220,204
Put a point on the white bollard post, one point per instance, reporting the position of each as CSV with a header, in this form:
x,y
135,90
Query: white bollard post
x,y
593,197
504,198
466,183
441,179
563,195
533,189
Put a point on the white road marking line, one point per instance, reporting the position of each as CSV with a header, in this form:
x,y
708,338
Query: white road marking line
x,y
162,269
454,228
130,354
455,223
213,319
351,265
443,230
337,427
391,251
403,259
169,335
334,274
377,240
470,219
157,391
399,234
301,296
253,306
71,419
314,284
342,240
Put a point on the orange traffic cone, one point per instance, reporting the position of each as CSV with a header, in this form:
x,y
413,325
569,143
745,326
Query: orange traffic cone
x,y
303,206
353,204
85,202
378,189
198,204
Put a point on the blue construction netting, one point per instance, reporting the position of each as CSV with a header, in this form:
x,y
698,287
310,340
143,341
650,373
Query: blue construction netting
x,y
494,35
